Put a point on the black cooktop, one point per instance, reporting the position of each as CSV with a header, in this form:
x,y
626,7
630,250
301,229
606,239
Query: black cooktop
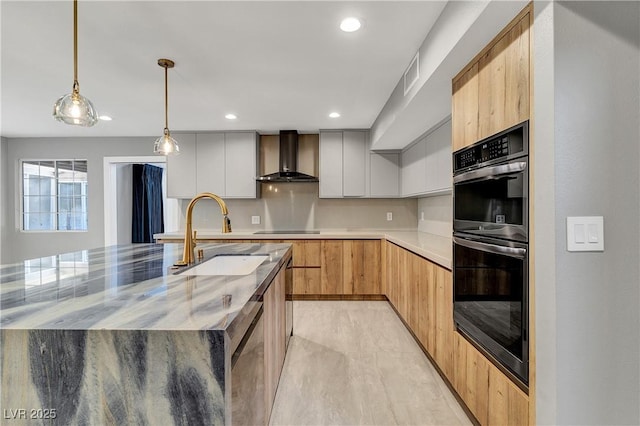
x,y
287,232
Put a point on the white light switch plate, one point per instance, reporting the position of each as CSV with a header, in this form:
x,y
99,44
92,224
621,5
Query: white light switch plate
x,y
585,233
255,220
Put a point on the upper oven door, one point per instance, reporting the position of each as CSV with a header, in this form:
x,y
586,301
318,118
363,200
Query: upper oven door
x,y
493,201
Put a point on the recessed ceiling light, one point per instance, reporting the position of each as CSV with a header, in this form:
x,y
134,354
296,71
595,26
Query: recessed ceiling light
x,y
105,118
334,115
230,116
349,25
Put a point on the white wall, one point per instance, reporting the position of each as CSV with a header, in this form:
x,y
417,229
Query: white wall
x,y
589,366
25,245
437,213
124,187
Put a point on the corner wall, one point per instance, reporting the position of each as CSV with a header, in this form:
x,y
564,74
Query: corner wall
x,y
27,245
593,376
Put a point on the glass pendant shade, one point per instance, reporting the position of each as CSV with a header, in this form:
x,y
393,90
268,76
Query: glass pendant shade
x,y
75,109
166,145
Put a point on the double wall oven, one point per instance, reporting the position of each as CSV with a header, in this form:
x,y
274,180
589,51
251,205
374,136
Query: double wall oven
x,y
491,247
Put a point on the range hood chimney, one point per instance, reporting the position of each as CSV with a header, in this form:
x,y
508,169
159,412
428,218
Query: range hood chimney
x,y
288,170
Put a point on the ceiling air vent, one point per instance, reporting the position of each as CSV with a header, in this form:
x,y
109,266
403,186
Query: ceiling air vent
x,y
412,74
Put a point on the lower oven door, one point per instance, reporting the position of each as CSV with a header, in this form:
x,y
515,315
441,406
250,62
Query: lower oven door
x,y
491,299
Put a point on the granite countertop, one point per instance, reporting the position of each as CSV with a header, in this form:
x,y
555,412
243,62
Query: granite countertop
x,y
434,247
131,287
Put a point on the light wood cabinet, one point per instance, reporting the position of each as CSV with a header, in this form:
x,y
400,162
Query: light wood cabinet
x,y
464,103
427,311
274,336
361,267
422,293
491,94
331,261
507,404
444,321
489,394
471,377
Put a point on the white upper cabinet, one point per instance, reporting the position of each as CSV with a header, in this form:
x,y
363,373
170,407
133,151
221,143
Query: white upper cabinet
x,y
439,160
384,175
222,163
342,163
241,164
181,173
354,148
426,165
210,163
414,169
330,165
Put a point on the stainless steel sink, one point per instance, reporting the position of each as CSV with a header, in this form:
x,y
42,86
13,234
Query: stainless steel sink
x,y
224,264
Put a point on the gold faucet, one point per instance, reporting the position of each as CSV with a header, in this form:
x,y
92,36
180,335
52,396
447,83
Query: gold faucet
x,y
189,238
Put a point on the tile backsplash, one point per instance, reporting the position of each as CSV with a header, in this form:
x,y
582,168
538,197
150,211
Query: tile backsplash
x,y
296,206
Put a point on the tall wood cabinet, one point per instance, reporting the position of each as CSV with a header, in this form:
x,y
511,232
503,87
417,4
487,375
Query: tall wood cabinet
x,y
492,93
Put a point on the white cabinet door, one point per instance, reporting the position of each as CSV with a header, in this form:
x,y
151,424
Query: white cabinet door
x,y
240,164
385,175
440,148
330,164
354,146
414,169
181,170
210,163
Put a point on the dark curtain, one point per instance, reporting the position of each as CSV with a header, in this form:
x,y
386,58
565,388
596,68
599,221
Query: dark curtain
x,y
148,217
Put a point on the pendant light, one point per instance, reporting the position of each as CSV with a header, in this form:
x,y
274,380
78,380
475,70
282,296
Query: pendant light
x,y
165,144
74,108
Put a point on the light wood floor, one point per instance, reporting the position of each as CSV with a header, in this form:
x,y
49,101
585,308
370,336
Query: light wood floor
x,y
354,363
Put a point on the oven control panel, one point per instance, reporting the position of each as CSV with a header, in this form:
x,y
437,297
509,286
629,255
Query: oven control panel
x,y
507,144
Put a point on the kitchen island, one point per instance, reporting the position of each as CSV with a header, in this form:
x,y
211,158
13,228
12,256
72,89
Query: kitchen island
x,y
117,336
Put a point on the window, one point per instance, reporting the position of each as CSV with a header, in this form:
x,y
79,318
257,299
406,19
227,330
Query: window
x,y
54,195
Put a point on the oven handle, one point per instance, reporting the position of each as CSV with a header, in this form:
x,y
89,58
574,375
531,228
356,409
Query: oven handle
x,y
518,253
490,172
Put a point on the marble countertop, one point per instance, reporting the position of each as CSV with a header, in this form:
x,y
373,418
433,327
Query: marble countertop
x,y
132,287
434,247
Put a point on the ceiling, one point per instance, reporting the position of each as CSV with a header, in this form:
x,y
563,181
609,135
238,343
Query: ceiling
x,y
276,65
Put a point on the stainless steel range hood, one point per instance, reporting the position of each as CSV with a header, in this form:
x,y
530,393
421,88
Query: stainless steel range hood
x,y
288,170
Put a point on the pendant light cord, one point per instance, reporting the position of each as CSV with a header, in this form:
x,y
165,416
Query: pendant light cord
x,y
166,99
76,87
